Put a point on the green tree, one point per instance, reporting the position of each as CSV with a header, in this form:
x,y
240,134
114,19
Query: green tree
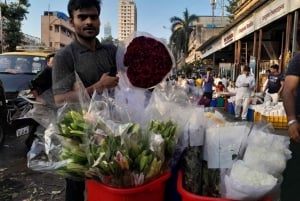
x,y
230,8
181,31
12,16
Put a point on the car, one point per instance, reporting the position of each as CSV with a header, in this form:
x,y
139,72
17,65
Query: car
x,y
16,70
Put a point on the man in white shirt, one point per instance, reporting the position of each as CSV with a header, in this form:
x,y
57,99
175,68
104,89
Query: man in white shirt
x,y
245,84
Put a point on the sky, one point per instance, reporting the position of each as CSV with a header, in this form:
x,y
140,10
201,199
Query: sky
x,y
153,16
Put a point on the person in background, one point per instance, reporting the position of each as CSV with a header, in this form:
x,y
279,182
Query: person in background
x,y
274,86
41,89
245,84
266,81
208,83
225,81
43,80
291,103
220,87
199,82
93,62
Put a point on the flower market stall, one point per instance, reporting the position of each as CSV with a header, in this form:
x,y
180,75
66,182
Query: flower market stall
x,y
126,146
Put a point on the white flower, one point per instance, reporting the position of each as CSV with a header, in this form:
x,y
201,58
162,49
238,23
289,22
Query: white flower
x,y
250,177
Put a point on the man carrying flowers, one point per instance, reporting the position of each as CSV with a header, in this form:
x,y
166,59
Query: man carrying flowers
x,y
93,62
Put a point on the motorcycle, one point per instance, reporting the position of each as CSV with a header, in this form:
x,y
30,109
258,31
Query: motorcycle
x,y
13,117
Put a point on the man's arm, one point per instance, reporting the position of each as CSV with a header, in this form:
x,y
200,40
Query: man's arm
x,y
289,94
289,97
105,81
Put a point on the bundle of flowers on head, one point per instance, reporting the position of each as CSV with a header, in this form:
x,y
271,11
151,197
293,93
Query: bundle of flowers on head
x,y
144,60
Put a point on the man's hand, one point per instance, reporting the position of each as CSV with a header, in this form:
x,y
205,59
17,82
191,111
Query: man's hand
x,y
293,132
106,81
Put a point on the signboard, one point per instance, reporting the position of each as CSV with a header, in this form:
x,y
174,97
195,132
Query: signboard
x,y
245,28
271,12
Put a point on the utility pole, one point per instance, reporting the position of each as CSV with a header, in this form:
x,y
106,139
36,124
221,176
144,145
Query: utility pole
x,y
213,4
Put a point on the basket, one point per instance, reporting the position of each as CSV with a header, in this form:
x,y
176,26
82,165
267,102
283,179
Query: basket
x,y
279,122
151,191
187,196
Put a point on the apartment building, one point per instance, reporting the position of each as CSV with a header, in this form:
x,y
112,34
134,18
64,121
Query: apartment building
x,y
56,31
127,18
204,28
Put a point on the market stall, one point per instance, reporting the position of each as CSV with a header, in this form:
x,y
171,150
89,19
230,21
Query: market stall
x,y
127,147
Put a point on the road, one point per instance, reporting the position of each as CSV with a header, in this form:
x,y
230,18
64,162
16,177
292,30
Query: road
x,y
19,183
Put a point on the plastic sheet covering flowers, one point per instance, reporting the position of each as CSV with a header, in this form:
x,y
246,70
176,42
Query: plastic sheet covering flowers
x,y
125,154
145,60
258,172
62,149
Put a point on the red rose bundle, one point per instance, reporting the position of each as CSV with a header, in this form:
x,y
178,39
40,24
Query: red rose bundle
x,y
148,61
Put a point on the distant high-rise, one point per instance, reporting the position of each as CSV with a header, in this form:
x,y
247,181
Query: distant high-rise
x,y
107,30
127,22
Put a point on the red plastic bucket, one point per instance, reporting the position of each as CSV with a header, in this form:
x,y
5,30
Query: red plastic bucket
x,y
152,191
187,196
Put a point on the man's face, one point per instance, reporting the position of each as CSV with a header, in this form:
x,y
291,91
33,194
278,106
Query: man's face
x,y
273,70
247,72
86,23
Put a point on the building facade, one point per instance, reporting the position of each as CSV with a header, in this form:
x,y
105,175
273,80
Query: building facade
x,y
107,30
56,32
127,19
263,33
204,28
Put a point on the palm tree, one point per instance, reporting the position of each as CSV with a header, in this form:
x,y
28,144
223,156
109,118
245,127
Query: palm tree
x,y
181,30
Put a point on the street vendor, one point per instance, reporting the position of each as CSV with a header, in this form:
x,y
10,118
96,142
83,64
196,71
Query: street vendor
x,y
95,64
245,84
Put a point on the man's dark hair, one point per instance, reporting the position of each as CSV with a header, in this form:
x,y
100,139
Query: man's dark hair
x,y
208,69
275,66
80,4
247,68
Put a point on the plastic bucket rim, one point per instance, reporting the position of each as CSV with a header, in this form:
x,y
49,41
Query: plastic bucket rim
x,y
136,189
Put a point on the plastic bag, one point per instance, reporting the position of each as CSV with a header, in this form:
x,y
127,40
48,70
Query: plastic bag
x,y
245,183
63,149
223,144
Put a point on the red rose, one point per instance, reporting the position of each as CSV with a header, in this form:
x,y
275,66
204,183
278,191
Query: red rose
x,y
148,62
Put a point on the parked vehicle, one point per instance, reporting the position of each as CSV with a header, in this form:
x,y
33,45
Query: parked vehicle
x,y
16,71
3,114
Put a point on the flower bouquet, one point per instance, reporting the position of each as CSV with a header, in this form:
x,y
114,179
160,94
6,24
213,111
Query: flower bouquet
x,y
126,154
145,60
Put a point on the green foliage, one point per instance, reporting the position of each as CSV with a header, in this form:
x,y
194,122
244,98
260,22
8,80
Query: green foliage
x,y
181,31
12,16
230,8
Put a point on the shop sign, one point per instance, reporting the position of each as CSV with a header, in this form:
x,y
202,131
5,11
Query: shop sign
x,y
245,28
271,12
211,49
228,38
